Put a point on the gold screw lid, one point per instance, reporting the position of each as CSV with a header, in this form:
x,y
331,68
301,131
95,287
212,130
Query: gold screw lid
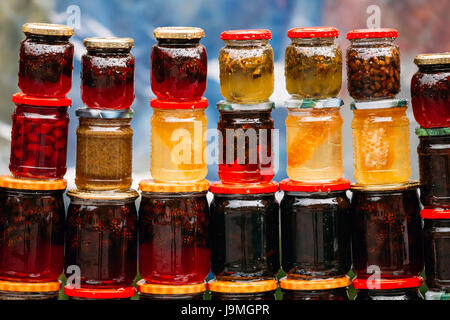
x,y
412,184
48,29
108,43
103,195
178,33
432,58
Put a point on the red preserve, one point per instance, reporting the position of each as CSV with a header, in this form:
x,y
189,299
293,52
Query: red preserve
x,y
39,137
46,60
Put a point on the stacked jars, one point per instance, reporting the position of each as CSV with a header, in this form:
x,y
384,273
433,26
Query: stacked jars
x,y
385,209
101,232
315,209
244,211
430,88
31,200
174,254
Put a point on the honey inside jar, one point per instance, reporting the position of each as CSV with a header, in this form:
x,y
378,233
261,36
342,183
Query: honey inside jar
x,y
246,66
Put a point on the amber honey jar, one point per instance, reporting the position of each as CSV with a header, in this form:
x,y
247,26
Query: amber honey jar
x,y
151,291
243,290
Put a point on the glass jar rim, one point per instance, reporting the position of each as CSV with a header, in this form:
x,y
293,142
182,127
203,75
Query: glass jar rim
x,y
104,114
225,105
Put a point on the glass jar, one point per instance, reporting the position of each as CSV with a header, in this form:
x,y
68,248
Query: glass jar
x,y
107,73
179,63
315,230
314,140
313,63
244,231
39,137
173,233
326,289
245,142
31,229
29,290
246,66
434,164
104,149
404,289
381,142
373,64
386,231
178,140
430,87
150,291
46,60
99,294
436,234
240,290
101,238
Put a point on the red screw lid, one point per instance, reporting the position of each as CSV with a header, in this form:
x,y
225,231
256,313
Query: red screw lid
x,y
244,188
169,104
435,213
386,284
315,32
22,98
291,185
255,34
126,292
372,33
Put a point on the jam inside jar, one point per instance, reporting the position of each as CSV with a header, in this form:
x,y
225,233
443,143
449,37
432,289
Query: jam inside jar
x,y
173,233
31,229
430,87
245,145
101,238
39,137
107,73
178,63
46,60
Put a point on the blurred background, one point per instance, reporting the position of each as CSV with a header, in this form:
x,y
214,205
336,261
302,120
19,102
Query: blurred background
x,y
422,24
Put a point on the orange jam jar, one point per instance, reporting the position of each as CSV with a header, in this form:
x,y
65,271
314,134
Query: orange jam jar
x,y
381,142
314,140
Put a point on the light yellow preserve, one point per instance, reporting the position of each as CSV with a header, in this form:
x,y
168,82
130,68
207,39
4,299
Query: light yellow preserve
x,y
178,144
314,144
381,146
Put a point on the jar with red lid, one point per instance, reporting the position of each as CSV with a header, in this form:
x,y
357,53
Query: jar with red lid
x,y
107,73
246,142
313,63
386,231
315,230
174,233
39,137
152,291
179,63
101,239
46,60
246,66
436,234
75,293
373,64
395,289
243,290
324,289
31,230
244,231
430,87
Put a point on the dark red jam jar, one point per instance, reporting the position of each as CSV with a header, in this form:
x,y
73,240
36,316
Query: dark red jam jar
x,y
243,290
39,137
173,233
29,290
75,293
245,142
107,73
151,291
434,165
46,60
393,289
326,289
101,239
244,231
386,231
430,90
178,63
31,229
436,234
315,229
